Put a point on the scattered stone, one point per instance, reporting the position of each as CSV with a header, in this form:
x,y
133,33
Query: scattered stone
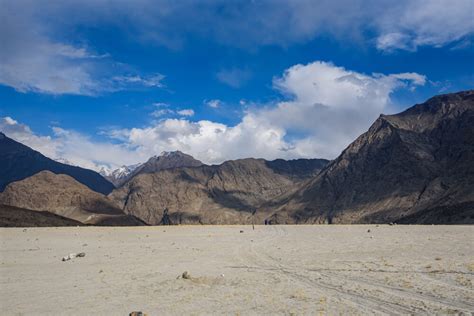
x,y
391,224
186,275
137,314
24,230
368,230
73,255
241,231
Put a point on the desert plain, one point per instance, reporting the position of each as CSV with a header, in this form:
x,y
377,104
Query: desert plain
x,y
238,270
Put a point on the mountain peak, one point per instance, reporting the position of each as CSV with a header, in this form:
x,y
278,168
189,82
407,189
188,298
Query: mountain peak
x,y
166,160
170,154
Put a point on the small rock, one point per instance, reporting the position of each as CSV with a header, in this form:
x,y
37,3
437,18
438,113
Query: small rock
x,y
368,230
137,314
186,275
391,224
73,255
241,231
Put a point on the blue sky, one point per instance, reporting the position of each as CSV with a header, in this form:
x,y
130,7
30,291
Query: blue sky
x,y
101,83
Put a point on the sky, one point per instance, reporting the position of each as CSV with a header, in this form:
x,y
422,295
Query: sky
x,y
100,83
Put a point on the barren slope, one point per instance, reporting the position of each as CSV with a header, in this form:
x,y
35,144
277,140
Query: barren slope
x,y
62,195
228,193
416,166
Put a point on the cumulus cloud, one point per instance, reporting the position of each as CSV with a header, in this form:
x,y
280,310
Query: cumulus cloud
x,y
325,108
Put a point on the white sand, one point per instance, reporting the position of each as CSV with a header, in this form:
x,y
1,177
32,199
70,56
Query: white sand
x,y
269,270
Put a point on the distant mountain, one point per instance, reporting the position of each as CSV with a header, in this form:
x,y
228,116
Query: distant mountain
x,y
412,167
167,160
11,216
64,196
229,193
120,175
18,162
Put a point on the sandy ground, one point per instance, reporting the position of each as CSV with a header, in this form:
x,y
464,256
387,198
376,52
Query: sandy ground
x,y
270,270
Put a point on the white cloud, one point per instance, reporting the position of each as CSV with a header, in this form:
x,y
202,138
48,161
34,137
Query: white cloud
x,y
66,145
410,24
161,104
213,103
186,112
327,107
23,134
234,77
35,57
161,112
149,81
164,110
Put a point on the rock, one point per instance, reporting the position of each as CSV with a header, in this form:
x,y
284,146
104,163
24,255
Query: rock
x,y
186,275
73,255
241,231
137,314
368,230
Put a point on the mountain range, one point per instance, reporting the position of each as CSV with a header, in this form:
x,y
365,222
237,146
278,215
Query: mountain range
x,y
413,167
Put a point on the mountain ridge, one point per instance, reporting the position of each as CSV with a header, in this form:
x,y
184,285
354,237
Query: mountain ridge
x,y
20,162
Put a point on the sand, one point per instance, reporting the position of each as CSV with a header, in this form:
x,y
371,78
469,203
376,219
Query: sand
x,y
270,270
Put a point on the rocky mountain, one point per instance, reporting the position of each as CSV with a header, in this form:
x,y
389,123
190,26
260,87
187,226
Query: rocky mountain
x,y
11,216
18,162
64,196
166,160
229,193
120,175
413,167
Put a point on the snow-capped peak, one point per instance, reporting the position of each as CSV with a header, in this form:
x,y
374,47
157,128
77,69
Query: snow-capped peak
x,y
119,173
